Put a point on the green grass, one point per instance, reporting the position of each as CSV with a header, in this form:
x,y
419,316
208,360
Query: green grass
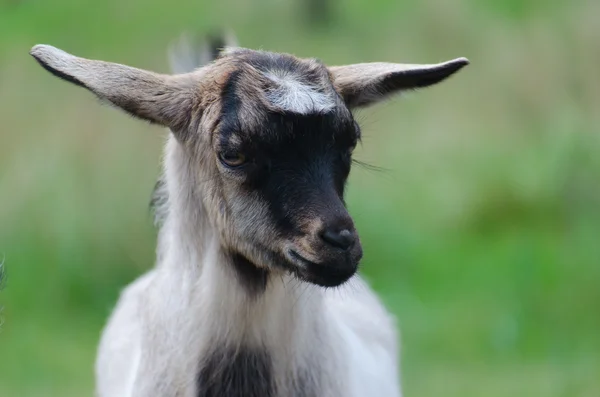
x,y
481,235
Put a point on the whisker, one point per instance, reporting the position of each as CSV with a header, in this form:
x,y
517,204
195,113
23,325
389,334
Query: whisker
x,y
370,167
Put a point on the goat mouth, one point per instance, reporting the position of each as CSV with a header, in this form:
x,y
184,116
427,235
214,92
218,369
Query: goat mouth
x,y
296,257
322,274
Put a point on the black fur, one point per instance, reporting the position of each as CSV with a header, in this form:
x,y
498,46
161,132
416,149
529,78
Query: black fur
x,y
248,372
230,106
253,278
242,372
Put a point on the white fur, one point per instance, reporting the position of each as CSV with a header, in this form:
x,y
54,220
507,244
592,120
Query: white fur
x,y
157,335
293,95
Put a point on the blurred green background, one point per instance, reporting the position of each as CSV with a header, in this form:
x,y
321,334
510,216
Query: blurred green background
x,y
482,234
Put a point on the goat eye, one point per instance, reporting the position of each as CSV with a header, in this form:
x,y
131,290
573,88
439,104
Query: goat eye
x,y
232,159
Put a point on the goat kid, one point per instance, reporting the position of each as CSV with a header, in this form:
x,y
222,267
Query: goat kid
x,y
253,229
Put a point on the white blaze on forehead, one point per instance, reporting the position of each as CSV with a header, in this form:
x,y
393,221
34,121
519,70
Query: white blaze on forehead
x,y
291,94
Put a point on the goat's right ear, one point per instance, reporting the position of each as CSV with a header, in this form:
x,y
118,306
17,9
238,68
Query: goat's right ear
x,y
161,99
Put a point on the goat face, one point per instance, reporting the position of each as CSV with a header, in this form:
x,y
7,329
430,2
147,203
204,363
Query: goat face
x,y
266,142
281,140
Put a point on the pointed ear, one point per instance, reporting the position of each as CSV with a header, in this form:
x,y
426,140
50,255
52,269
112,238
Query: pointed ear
x,y
161,99
364,84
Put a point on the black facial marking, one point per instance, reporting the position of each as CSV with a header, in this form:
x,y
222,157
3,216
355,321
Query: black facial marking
x,y
254,279
242,372
309,166
230,107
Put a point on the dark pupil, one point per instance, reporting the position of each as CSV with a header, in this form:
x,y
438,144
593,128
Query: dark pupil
x,y
231,157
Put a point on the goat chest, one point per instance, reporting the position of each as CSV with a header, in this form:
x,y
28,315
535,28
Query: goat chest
x,y
247,372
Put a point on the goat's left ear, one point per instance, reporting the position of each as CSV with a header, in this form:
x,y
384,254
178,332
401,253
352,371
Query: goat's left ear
x,y
364,84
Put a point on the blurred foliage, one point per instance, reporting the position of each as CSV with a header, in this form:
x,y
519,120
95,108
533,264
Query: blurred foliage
x,y
481,234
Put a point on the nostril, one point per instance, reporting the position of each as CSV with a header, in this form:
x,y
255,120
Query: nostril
x,y
343,239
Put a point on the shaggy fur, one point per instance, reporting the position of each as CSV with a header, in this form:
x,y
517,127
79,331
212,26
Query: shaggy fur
x,y
253,227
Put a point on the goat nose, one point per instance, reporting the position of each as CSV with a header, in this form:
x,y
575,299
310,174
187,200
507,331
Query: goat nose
x,y
343,239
